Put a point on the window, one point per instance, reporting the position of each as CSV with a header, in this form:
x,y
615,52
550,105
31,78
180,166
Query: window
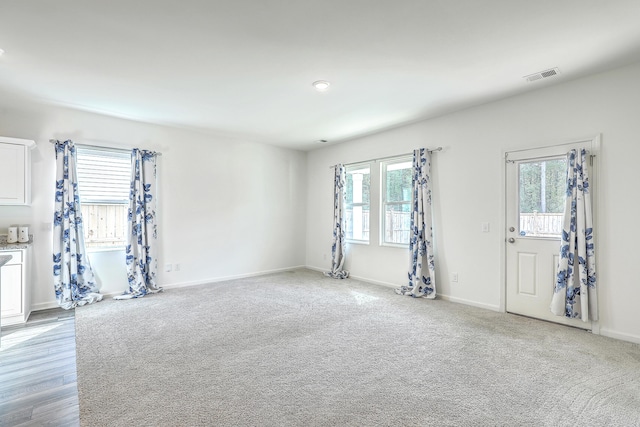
x,y
396,201
104,179
358,184
542,187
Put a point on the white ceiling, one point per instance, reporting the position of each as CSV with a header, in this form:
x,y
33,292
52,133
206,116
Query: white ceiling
x,y
244,68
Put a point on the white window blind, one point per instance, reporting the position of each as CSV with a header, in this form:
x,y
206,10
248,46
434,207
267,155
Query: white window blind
x,y
104,176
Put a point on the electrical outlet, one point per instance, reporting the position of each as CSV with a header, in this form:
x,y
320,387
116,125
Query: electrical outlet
x,y
167,268
454,277
485,227
177,267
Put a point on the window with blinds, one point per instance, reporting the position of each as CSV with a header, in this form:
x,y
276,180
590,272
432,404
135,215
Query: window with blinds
x,y
104,179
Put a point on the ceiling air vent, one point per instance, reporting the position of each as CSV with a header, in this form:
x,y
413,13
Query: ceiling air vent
x,y
542,75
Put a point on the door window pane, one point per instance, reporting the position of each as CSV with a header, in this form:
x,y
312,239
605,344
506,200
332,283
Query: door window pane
x,y
541,197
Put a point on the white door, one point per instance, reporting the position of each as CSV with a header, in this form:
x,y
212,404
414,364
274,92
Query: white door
x,y
535,189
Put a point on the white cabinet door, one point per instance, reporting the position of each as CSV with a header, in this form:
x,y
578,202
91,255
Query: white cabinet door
x,y
11,289
14,301
12,174
15,171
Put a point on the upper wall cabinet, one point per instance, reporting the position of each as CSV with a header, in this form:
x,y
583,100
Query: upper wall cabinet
x,y
15,171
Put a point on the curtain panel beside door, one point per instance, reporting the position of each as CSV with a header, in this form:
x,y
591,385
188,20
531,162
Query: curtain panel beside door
x,y
575,294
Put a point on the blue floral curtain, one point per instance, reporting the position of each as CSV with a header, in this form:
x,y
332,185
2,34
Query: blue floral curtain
x,y
422,267
575,294
338,248
142,264
73,279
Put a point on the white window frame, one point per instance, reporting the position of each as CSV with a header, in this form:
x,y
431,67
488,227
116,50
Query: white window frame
x,y
350,169
94,201
384,166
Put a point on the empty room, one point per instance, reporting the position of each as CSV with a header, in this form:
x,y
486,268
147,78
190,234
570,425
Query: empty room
x,y
305,213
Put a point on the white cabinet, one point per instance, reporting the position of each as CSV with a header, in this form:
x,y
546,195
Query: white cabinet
x,y
15,305
15,171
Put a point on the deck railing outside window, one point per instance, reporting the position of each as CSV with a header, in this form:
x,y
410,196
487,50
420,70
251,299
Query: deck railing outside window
x,y
541,224
397,231
104,224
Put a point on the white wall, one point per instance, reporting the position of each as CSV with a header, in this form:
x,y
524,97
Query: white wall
x,y
227,207
469,183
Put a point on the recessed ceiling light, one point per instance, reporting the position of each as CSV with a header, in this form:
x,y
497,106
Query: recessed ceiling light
x,y
321,85
1,52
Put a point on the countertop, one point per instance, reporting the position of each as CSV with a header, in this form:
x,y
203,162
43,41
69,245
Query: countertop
x,y
4,246
4,259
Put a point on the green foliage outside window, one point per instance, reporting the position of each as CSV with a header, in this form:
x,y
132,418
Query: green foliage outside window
x,y
366,186
542,186
399,185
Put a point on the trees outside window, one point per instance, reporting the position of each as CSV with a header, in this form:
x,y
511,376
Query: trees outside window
x,y
541,197
395,217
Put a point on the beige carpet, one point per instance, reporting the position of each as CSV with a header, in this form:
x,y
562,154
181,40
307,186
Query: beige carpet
x,y
300,349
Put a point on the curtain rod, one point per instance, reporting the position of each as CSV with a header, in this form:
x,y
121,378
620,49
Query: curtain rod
x,y
387,157
53,141
559,156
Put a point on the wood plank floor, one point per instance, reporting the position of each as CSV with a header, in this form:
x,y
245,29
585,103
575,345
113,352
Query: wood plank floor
x,y
38,371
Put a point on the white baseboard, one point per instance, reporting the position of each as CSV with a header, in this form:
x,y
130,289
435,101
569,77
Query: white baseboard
x,y
470,302
44,306
620,335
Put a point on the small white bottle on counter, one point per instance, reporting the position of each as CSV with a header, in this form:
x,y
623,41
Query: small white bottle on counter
x,y
12,234
23,234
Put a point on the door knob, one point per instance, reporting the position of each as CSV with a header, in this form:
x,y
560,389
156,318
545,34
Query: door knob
x,y
511,240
